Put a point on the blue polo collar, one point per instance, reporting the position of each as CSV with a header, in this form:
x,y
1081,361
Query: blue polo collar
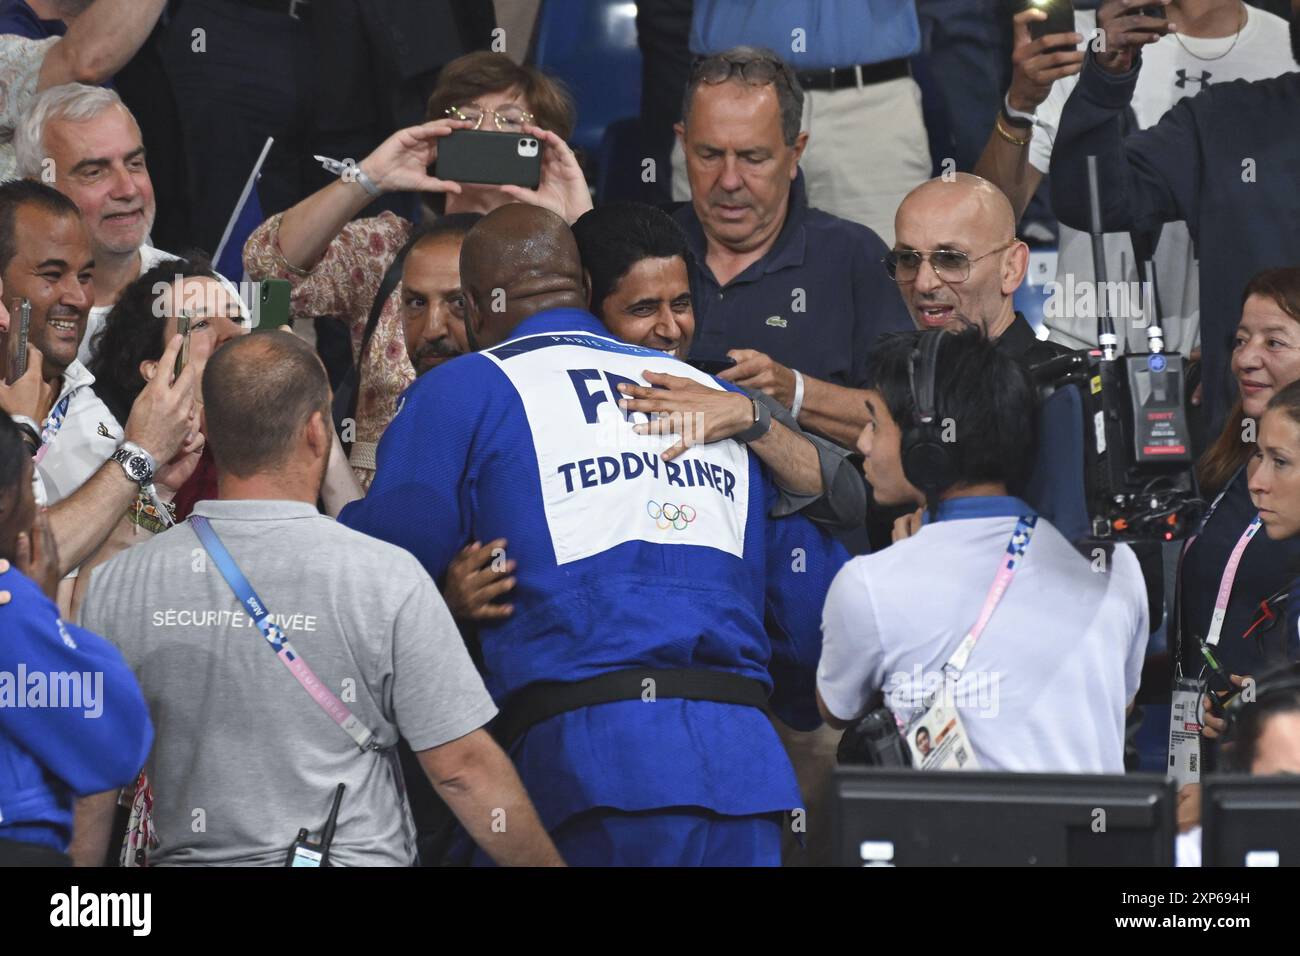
x,y
979,506
788,250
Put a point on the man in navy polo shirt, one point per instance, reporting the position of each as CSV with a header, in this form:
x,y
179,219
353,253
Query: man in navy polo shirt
x,y
794,294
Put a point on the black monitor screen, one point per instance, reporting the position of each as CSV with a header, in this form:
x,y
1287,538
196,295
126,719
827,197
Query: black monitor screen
x,y
895,817
1250,821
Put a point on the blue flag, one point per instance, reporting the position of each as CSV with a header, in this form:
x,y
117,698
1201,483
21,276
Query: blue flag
x,y
247,217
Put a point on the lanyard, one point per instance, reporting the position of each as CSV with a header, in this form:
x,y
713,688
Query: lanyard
x,y
52,425
1225,582
1229,575
337,710
1007,568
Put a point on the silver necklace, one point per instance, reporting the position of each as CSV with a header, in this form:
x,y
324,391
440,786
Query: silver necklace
x,y
1206,59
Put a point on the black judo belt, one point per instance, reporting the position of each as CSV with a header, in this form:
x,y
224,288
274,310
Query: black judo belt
x,y
539,702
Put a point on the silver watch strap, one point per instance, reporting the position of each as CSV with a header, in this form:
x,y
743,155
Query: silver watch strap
x,y
131,448
762,424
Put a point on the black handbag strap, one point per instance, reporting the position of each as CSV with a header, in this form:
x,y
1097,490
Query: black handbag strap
x,y
346,396
539,702
386,287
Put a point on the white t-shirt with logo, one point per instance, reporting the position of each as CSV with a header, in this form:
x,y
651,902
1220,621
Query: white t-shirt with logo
x,y
1047,685
87,437
1173,67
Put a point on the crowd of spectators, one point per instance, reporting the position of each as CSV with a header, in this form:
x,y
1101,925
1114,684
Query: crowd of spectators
x,y
598,520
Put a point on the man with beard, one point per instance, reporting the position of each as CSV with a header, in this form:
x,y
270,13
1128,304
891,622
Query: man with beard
x,y
1223,161
433,304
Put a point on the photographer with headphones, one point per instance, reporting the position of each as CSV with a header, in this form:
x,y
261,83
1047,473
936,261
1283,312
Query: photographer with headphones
x,y
986,627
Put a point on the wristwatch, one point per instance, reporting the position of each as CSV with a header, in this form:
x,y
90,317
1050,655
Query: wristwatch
x,y
762,423
138,464
140,467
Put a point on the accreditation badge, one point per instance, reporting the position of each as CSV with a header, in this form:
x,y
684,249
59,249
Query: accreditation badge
x,y
1185,732
938,740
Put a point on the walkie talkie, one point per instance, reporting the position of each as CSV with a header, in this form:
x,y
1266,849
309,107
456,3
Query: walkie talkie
x,y
15,351
302,852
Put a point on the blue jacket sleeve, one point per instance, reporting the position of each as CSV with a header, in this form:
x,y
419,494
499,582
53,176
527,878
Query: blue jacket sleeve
x,y
425,473
102,740
1146,179
802,560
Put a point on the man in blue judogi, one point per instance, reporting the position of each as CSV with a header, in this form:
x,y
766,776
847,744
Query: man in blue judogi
x,y
657,606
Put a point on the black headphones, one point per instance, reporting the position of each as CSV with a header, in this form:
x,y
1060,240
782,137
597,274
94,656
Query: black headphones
x,y
927,459
1279,680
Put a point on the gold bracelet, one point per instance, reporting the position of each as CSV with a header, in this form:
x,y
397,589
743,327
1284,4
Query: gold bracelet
x,y
279,258
1006,134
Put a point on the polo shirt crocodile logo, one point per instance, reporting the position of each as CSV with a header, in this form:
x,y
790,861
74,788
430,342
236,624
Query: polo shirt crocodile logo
x,y
776,322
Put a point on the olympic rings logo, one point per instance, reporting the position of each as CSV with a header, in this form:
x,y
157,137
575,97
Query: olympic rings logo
x,y
668,515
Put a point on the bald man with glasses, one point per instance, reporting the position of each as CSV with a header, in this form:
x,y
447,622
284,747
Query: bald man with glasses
x,y
957,262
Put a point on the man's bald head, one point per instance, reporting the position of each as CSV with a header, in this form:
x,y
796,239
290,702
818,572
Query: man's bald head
x,y
260,392
963,194
966,214
517,261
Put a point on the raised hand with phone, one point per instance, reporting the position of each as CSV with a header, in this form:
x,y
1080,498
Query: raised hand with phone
x,y
1130,25
30,393
1045,51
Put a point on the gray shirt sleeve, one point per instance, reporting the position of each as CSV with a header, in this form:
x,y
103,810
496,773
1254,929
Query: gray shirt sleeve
x,y
843,503
437,695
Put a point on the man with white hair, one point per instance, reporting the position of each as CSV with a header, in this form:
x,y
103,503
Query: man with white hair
x,y
101,36
84,141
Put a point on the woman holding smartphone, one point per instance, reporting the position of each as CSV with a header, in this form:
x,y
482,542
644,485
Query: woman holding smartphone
x,y
337,264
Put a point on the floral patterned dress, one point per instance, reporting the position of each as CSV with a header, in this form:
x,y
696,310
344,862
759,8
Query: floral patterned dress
x,y
344,285
20,71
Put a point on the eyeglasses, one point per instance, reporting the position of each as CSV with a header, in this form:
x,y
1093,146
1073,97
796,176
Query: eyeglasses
x,y
509,118
756,71
903,265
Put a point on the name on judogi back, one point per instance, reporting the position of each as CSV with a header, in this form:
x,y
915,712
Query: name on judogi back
x,y
590,386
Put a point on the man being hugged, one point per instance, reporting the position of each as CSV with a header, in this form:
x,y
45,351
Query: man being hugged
x,y
1024,647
